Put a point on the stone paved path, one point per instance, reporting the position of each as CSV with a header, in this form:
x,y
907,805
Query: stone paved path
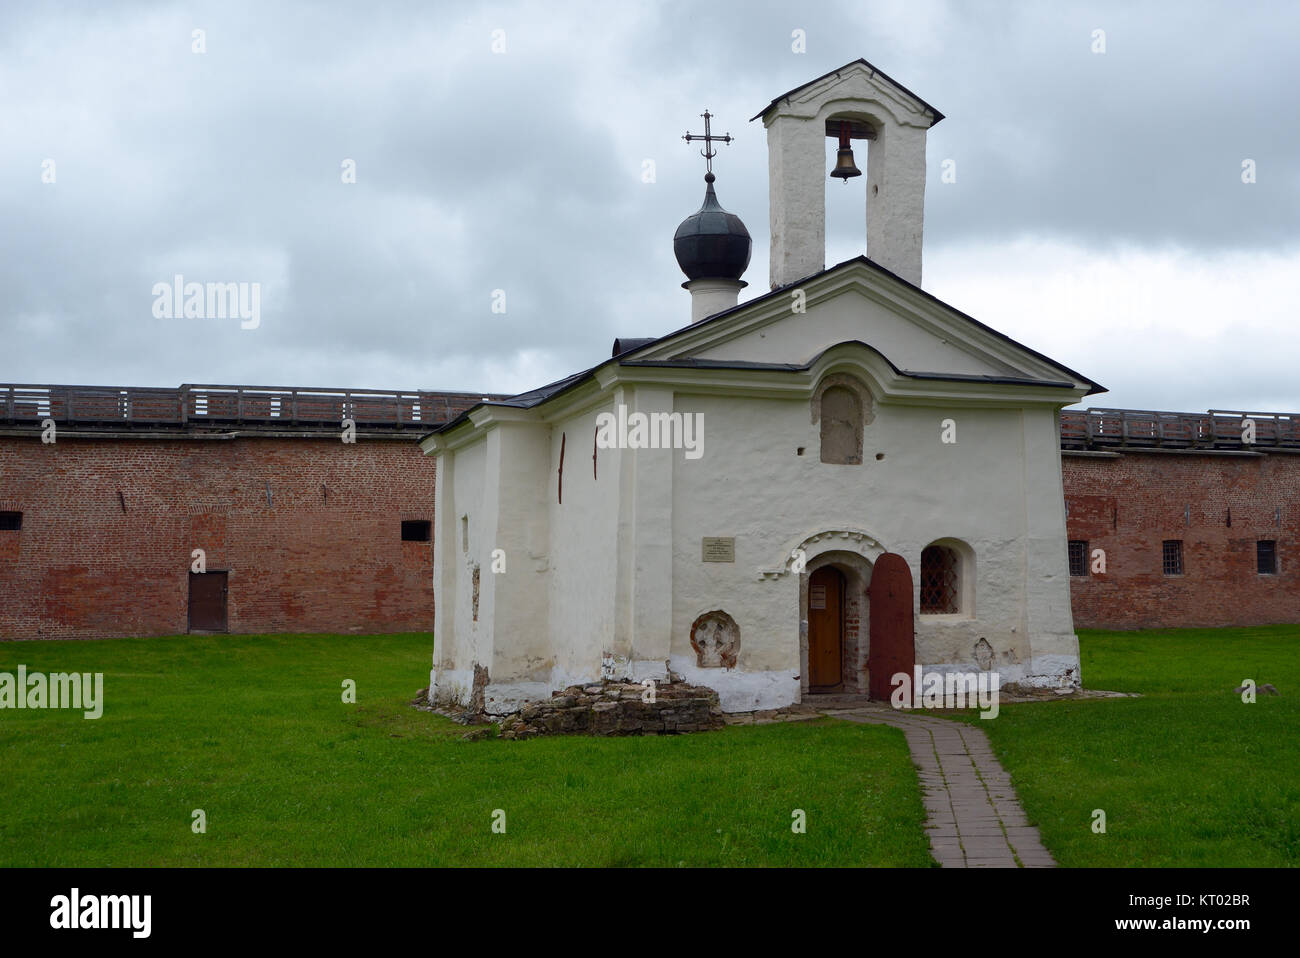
x,y
973,817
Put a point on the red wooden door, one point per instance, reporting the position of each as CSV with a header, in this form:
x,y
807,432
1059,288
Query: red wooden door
x,y
893,637
825,627
207,602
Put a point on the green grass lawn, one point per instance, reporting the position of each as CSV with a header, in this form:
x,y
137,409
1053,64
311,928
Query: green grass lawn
x,y
1187,775
252,730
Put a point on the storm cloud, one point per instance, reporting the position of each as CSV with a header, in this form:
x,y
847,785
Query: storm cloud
x,y
1098,211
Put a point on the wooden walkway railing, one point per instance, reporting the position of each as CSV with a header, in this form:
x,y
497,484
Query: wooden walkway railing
x,y
1216,429
287,406
225,405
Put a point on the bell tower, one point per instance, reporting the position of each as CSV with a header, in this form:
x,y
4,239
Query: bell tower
x,y
856,104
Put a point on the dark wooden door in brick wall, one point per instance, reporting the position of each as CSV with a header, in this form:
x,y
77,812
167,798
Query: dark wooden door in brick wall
x,y
893,637
825,628
207,602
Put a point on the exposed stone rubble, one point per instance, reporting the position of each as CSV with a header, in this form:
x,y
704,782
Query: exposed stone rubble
x,y
790,713
618,708
460,714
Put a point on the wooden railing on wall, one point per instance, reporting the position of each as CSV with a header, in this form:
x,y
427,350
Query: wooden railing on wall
x,y
1216,429
262,405
275,405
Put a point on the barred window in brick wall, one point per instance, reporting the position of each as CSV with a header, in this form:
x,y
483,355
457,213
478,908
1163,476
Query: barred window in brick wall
x,y
1173,557
1078,557
11,521
939,567
1266,556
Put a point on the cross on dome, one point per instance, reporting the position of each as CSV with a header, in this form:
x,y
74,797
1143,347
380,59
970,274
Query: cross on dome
x,y
709,139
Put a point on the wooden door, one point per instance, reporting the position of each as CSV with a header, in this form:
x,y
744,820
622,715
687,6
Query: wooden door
x,y
207,602
893,636
825,628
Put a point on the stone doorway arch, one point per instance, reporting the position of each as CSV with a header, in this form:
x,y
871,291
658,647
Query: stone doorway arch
x,y
853,572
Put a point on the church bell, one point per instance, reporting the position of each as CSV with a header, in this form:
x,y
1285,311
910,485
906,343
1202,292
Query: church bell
x,y
844,165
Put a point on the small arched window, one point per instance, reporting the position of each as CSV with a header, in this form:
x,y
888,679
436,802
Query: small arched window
x,y
940,580
841,426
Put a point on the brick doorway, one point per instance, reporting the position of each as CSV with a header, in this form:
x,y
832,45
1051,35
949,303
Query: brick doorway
x,y
207,606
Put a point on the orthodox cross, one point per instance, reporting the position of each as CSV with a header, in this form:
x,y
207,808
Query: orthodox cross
x,y
709,139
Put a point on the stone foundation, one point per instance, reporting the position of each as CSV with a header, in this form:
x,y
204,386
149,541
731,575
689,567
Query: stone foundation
x,y
617,708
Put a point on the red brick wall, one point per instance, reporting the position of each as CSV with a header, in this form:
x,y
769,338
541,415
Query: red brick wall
x,y
318,560
1129,505
334,561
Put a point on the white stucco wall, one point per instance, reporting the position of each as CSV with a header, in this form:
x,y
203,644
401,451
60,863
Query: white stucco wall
x,y
752,484
516,575
461,481
584,556
617,569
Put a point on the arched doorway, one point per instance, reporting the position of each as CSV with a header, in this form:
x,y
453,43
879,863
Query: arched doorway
x,y
850,553
826,590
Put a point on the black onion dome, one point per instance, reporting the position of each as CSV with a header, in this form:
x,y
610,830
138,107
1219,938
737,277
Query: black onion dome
x,y
712,243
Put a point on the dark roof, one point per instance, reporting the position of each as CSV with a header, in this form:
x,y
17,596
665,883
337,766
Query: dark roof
x,y
625,344
874,72
528,400
541,393
538,396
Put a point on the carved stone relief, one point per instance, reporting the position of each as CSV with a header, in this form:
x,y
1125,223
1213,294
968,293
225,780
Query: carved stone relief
x,y
716,640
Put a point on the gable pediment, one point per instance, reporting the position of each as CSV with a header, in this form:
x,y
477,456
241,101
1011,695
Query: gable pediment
x,y
847,314
857,79
858,301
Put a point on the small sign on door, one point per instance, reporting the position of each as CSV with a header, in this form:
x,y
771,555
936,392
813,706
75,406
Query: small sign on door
x,y
817,597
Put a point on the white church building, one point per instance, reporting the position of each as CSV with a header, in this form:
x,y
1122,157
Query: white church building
x,y
809,492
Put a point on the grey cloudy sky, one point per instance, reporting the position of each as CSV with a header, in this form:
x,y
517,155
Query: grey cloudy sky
x,y
1098,213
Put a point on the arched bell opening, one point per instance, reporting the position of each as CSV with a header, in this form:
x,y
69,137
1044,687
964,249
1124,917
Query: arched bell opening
x,y
848,136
